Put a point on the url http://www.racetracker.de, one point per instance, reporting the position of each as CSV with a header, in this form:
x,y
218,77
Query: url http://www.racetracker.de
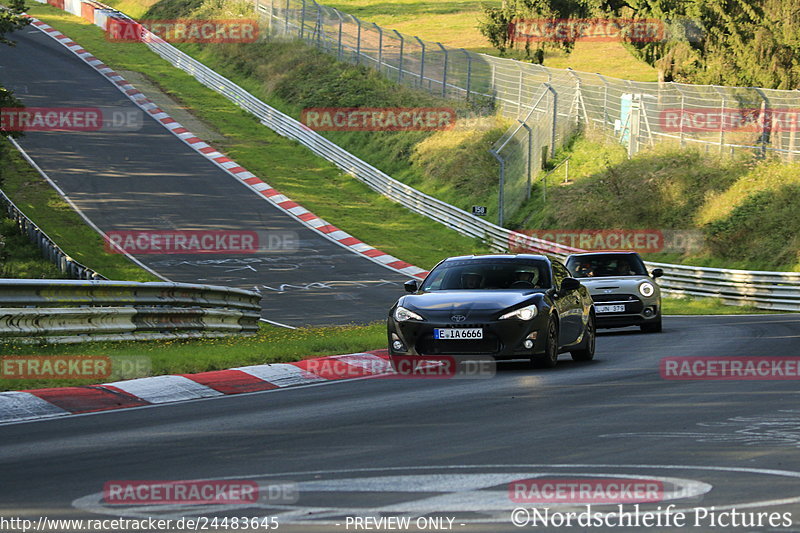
x,y
199,523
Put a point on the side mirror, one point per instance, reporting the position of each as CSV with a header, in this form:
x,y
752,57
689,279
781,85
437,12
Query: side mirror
x,y
411,285
657,273
569,284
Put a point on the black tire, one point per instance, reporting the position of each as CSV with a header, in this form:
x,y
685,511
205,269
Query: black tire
x,y
587,352
654,327
550,356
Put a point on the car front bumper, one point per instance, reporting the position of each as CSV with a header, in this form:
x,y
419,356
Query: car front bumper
x,y
502,339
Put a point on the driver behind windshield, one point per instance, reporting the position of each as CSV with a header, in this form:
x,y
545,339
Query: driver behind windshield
x,y
471,280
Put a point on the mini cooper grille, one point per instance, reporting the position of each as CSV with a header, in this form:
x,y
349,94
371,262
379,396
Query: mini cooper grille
x,y
614,298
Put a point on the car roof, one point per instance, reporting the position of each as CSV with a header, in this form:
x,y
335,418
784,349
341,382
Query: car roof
x,y
613,252
499,256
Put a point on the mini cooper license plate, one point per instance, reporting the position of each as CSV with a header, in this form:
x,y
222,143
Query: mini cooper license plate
x,y
609,308
457,333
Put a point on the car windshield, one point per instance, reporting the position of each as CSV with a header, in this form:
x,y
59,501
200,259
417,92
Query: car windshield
x,y
606,265
489,274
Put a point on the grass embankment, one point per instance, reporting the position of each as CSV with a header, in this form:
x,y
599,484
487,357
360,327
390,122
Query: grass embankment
x,y
745,210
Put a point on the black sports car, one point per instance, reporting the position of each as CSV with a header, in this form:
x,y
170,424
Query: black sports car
x,y
504,306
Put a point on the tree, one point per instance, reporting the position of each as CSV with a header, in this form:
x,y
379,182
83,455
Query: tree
x,y
509,27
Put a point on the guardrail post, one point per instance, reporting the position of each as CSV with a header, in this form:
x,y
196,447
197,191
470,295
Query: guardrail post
x,y
400,67
500,196
469,71
529,165
422,62
444,74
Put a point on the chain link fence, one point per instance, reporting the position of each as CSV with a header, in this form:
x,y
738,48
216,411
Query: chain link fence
x,y
720,120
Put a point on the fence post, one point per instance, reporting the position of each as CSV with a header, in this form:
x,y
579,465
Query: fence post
x,y
500,198
286,20
444,74
683,110
341,23
529,169
766,122
302,19
605,100
519,94
469,71
555,120
358,41
721,119
400,69
319,27
579,98
271,15
380,46
422,62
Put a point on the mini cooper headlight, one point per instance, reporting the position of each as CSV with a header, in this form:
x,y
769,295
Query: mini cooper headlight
x,y
523,313
647,289
401,314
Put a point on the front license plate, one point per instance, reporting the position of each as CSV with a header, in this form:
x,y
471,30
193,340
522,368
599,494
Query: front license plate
x,y
458,333
609,308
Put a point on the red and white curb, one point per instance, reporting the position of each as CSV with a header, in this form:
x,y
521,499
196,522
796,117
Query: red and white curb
x,y
36,404
230,166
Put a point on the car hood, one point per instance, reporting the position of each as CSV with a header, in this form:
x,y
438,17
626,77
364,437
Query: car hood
x,y
621,284
472,304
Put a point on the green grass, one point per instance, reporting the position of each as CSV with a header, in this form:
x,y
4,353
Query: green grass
x,y
270,345
674,305
42,204
454,23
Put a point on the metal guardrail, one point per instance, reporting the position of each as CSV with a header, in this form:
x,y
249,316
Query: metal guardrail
x,y
68,311
50,250
764,290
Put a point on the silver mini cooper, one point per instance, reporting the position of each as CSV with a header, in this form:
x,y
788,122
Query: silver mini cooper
x,y
624,293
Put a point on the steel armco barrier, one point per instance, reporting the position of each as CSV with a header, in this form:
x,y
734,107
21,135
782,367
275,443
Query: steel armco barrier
x,y
68,311
765,290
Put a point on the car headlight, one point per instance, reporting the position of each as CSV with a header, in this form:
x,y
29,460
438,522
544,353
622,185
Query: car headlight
x,y
647,289
401,314
523,313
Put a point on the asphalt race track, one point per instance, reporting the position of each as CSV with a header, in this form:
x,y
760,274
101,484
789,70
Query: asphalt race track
x,y
450,448
148,180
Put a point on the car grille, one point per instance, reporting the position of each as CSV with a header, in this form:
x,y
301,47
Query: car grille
x,y
632,303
